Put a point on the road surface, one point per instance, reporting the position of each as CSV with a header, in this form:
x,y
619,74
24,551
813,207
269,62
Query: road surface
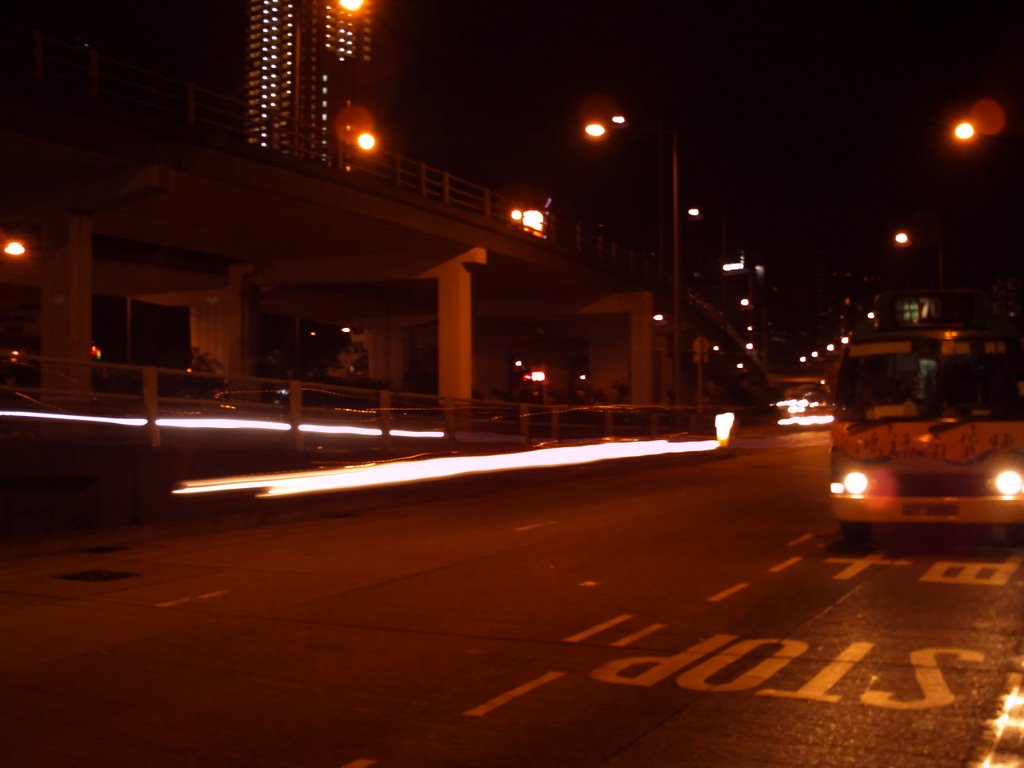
x,y
678,612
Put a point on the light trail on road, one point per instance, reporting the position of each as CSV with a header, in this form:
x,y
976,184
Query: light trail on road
x,y
399,472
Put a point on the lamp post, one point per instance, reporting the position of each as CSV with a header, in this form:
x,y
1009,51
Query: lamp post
x,y
597,130
677,289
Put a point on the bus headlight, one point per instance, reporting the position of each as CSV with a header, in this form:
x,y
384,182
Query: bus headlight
x,y
855,483
1009,483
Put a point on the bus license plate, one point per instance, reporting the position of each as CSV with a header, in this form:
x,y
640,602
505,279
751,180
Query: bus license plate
x,y
931,509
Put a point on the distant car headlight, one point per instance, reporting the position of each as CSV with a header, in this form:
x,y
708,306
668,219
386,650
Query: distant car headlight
x,y
855,483
1009,483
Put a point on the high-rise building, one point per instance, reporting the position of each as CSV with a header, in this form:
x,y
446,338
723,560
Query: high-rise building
x,y
303,58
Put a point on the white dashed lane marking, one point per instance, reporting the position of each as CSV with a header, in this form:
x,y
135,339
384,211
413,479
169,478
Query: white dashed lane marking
x,y
784,564
599,628
717,598
515,693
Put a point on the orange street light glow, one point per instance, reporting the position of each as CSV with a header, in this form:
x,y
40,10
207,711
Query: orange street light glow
x,y
595,130
14,248
902,238
531,220
350,5
366,141
964,131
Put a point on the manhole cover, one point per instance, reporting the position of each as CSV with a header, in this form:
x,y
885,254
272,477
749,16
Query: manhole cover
x,y
102,549
97,575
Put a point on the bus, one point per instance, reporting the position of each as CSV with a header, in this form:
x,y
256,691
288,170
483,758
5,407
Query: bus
x,y
929,416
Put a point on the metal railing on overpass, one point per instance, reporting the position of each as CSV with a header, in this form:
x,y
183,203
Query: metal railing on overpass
x,y
56,400
81,76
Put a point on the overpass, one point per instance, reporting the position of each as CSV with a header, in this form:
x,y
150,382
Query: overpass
x,y
134,186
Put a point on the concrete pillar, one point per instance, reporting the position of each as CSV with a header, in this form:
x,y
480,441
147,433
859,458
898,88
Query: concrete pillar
x,y
66,299
455,323
638,307
218,322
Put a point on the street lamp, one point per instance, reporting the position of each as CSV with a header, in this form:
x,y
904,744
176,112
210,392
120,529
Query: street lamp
x,y
598,130
986,117
964,131
15,248
366,141
531,220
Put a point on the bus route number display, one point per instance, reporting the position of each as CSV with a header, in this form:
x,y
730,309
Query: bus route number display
x,y
949,310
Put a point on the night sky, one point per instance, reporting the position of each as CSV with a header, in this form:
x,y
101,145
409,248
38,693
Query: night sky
x,y
815,130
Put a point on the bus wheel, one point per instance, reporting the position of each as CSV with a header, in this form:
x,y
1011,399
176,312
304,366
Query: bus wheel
x,y
855,533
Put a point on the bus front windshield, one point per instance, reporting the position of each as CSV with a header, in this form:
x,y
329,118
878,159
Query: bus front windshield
x,y
932,378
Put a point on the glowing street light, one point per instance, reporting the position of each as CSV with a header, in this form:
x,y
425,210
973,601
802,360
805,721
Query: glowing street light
x,y
597,129
964,131
350,5
14,248
366,141
986,117
531,220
